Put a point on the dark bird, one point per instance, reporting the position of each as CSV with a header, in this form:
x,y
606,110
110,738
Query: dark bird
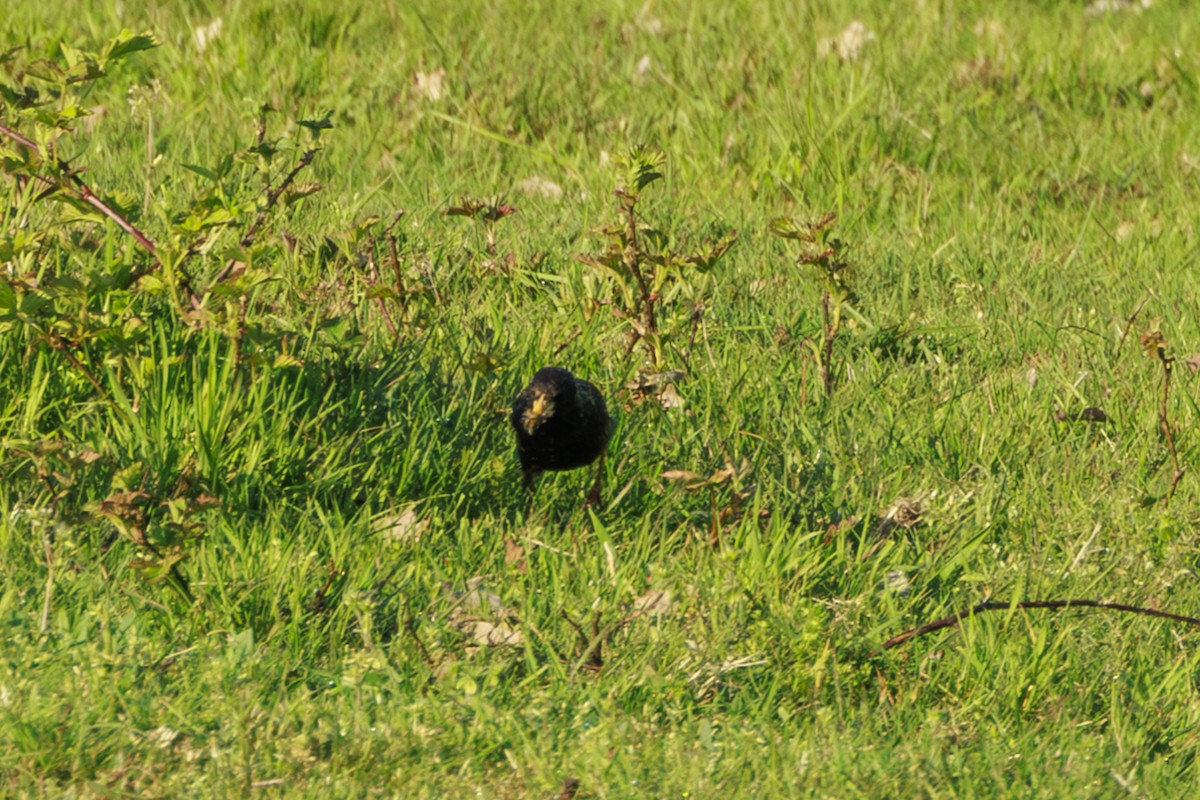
x,y
561,423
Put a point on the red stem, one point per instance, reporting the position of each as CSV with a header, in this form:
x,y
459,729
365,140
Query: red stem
x,y
85,193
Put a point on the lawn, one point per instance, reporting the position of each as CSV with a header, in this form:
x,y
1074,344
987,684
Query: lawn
x,y
895,306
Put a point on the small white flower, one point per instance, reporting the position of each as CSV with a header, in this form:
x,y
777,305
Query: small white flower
x,y
206,34
847,45
643,67
431,85
537,186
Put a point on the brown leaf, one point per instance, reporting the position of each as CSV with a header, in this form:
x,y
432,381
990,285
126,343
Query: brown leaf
x,y
648,383
904,512
681,475
514,555
670,398
405,526
1089,414
477,596
654,602
492,634
1153,343
568,789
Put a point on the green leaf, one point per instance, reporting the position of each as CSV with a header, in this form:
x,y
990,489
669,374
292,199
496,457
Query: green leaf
x,y
788,228
203,172
284,360
45,70
220,216
321,124
127,43
35,300
84,66
298,191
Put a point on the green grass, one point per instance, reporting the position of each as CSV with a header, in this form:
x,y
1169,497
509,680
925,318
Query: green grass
x,y
1014,182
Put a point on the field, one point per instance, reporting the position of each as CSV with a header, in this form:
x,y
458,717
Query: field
x,y
895,306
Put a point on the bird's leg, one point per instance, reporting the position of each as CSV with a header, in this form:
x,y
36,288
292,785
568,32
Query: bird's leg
x,y
593,496
527,477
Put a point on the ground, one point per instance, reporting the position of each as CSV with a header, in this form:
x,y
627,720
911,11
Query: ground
x,y
262,530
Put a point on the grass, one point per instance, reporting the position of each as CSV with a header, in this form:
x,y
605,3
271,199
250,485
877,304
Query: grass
x,y
266,546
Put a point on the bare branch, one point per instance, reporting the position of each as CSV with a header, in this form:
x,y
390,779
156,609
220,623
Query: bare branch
x,y
998,605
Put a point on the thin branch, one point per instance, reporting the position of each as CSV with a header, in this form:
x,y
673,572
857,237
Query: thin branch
x,y
49,593
1165,424
1129,326
632,256
394,257
61,345
86,194
827,348
372,280
410,627
999,605
273,195
575,334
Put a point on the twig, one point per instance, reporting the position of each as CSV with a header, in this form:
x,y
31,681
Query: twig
x,y
61,345
45,620
632,256
394,257
1165,424
86,194
827,349
1129,326
240,333
697,318
575,334
273,195
410,627
998,605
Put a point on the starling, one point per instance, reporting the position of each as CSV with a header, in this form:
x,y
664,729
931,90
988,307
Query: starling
x,y
561,423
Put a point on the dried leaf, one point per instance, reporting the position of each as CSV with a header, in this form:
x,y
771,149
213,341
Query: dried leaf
x,y
477,596
537,186
669,398
492,634
652,602
514,555
904,512
1089,414
405,526
649,382
681,475
431,85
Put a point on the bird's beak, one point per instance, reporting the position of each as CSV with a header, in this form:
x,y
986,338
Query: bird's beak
x,y
541,408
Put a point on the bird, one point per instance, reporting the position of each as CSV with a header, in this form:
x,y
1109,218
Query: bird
x,y
561,423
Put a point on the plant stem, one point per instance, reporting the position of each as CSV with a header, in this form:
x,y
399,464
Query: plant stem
x,y
1165,424
85,193
632,256
827,349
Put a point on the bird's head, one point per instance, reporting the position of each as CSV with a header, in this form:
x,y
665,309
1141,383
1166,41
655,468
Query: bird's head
x,y
541,408
551,388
